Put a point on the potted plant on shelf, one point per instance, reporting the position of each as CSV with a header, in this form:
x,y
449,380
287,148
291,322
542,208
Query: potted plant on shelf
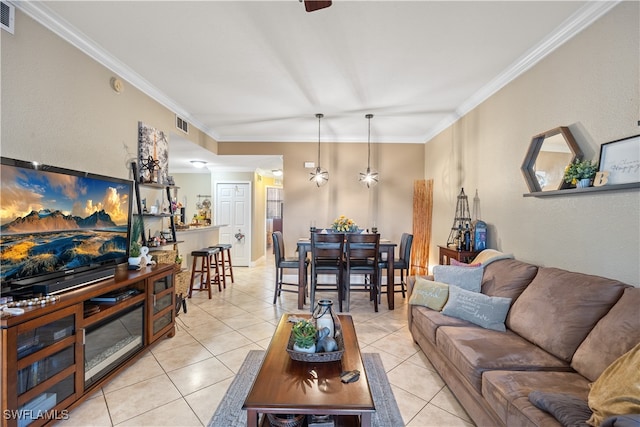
x,y
135,253
580,173
304,336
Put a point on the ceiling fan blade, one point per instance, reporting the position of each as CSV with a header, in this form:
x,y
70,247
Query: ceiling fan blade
x,y
312,5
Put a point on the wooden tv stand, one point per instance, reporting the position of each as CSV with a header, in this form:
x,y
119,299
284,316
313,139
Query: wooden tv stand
x,y
55,355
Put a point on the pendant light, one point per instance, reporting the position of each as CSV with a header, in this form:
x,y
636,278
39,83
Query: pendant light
x,y
370,177
320,176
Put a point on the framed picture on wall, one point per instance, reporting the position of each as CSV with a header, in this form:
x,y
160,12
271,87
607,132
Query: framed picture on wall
x,y
621,158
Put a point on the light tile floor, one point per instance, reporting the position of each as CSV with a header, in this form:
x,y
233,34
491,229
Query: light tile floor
x,y
181,380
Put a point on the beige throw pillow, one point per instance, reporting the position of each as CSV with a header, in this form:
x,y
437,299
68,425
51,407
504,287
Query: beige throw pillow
x,y
617,390
429,294
488,256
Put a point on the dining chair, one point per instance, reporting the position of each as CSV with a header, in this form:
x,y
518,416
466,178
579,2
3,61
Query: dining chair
x,y
282,263
402,263
327,257
362,257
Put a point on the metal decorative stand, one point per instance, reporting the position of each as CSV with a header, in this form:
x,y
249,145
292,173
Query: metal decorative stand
x,y
461,220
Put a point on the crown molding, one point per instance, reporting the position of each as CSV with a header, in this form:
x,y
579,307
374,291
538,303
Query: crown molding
x,y
577,22
580,20
39,11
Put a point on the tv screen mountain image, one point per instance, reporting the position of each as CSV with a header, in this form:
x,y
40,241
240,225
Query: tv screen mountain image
x,y
55,220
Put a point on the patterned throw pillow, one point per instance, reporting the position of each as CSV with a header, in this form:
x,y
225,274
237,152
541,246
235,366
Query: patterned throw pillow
x,y
488,312
429,294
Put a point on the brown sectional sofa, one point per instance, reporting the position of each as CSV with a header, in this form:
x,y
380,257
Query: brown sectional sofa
x,y
563,330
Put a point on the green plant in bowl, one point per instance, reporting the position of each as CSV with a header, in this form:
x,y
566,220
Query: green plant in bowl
x,y
304,335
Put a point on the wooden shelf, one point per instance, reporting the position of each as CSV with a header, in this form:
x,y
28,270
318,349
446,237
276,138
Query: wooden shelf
x,y
578,191
107,309
161,246
156,185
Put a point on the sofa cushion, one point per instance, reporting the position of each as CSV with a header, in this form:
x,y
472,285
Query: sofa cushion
x,y
507,392
473,350
615,334
617,390
559,308
469,278
429,294
570,410
428,321
507,278
482,310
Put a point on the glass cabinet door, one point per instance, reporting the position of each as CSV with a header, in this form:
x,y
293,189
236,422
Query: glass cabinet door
x,y
161,306
46,364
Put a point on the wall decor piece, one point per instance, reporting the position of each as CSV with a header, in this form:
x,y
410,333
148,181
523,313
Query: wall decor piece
x,y
153,154
548,155
621,158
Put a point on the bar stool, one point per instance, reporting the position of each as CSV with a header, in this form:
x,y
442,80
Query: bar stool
x,y
224,262
214,261
203,272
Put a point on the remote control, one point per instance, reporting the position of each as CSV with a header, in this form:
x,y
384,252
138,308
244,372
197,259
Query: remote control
x,y
350,376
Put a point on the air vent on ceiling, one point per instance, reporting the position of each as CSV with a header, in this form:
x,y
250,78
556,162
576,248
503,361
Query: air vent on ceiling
x,y
182,124
8,16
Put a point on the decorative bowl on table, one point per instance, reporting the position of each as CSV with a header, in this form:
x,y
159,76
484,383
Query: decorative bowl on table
x,y
327,356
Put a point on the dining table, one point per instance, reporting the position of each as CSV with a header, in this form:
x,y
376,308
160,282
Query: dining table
x,y
387,252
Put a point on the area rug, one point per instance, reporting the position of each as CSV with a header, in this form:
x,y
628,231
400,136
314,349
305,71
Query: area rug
x,y
230,414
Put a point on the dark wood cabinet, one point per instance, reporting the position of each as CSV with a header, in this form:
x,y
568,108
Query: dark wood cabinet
x,y
447,254
161,304
55,355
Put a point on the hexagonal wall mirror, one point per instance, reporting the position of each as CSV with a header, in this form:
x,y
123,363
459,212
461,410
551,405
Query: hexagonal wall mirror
x,y
548,155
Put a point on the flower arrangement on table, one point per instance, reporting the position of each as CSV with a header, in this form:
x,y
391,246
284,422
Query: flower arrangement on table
x,y
580,169
343,224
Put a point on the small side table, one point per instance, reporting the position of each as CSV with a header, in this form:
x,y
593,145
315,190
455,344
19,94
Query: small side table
x,y
447,254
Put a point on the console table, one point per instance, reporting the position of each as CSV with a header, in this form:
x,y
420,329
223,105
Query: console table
x,y
447,254
55,355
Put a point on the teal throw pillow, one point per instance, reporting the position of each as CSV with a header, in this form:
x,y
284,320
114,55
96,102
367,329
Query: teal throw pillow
x,y
469,278
483,310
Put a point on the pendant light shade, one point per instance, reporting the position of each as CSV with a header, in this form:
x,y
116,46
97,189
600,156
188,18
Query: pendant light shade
x,y
370,177
320,176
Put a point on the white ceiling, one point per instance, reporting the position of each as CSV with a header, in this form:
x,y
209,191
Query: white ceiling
x,y
261,70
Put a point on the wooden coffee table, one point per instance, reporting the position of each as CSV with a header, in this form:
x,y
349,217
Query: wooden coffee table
x,y
285,386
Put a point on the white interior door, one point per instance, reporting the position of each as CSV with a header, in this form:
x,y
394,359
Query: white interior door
x,y
233,207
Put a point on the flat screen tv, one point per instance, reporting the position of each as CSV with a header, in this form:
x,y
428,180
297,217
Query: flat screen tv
x,y
60,226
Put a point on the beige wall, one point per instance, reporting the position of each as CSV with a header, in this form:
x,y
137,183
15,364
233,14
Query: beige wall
x,y
590,84
389,205
58,106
